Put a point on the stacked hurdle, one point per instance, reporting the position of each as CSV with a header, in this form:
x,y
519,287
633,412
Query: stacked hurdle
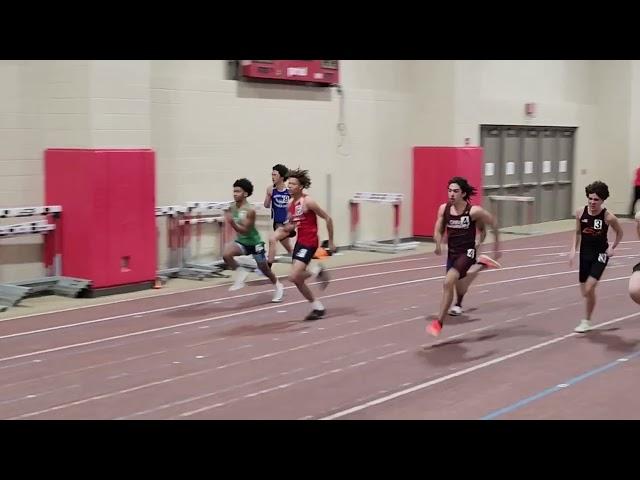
x,y
12,293
181,220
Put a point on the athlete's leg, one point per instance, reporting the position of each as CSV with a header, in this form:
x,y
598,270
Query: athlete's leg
x,y
634,285
261,261
302,256
588,289
469,275
231,250
277,236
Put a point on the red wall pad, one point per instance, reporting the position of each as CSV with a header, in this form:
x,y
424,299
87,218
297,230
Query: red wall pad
x,y
108,232
432,169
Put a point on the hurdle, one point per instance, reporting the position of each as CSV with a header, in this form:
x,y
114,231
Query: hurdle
x,y
12,293
179,219
393,199
215,215
527,203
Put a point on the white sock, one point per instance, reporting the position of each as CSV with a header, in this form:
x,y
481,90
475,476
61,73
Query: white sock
x,y
316,305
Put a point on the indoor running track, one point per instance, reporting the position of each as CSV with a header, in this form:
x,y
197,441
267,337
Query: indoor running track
x,y
213,354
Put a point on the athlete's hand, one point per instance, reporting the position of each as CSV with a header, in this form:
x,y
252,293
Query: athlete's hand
x,y
227,216
610,252
438,250
572,256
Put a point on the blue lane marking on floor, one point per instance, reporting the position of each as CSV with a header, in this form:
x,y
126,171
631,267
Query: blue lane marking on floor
x,y
560,386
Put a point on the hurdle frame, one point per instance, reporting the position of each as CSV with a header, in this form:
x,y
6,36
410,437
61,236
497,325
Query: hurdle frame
x,y
12,293
530,205
393,199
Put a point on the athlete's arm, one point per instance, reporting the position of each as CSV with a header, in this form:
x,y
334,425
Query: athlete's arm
x,y
312,205
287,226
246,225
485,218
438,230
267,198
575,244
613,222
638,223
482,229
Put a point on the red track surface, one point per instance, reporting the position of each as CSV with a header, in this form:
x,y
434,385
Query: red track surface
x,y
213,354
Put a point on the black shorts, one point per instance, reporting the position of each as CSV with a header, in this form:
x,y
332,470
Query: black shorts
x,y
636,267
462,262
278,225
303,253
592,264
256,250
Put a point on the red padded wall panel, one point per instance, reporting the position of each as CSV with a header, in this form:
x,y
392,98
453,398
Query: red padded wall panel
x,y
108,213
432,169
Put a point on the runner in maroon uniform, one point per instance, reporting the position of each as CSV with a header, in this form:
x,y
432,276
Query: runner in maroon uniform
x,y
303,217
459,220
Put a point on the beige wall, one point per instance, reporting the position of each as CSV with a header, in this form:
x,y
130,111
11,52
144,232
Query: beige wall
x,y
209,130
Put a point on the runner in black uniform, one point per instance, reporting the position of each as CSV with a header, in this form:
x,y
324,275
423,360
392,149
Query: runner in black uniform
x,y
460,220
592,226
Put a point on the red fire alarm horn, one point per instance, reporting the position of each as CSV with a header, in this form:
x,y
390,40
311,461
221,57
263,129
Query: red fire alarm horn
x,y
530,109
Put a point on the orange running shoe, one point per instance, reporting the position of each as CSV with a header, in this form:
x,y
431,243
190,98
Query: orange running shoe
x,y
488,262
434,328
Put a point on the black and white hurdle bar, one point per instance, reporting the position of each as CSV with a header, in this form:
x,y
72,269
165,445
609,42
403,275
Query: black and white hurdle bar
x,y
524,203
12,293
393,199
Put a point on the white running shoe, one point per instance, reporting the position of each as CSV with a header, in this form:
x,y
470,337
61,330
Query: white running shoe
x,y
455,310
278,294
583,326
241,276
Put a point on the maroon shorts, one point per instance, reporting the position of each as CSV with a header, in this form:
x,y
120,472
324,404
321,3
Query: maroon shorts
x,y
461,261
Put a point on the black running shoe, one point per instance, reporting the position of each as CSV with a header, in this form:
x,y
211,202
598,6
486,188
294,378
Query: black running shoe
x,y
315,315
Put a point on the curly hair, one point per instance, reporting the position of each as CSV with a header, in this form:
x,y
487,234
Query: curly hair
x,y
302,176
245,185
599,188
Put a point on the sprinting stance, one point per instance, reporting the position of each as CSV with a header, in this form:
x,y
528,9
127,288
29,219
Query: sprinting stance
x,y
303,217
241,216
634,281
460,220
592,226
277,198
